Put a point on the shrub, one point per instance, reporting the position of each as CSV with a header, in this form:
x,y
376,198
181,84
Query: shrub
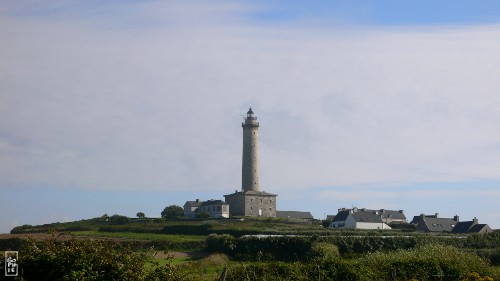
x,y
21,229
422,263
281,248
221,243
88,260
118,219
202,215
270,271
78,260
323,251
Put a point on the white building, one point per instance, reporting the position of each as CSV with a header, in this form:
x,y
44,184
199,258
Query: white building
x,y
358,219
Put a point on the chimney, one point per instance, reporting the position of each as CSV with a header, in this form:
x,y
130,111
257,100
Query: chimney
x,y
197,200
422,216
401,211
456,218
436,215
475,220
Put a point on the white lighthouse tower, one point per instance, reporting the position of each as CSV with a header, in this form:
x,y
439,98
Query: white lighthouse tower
x,y
250,165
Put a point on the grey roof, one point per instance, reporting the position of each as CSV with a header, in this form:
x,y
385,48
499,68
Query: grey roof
x,y
469,227
213,202
341,216
294,214
250,192
416,219
261,193
193,203
382,213
436,224
392,214
330,217
366,217
463,227
395,215
478,228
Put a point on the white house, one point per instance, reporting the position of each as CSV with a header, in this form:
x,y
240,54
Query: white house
x,y
190,208
356,218
215,208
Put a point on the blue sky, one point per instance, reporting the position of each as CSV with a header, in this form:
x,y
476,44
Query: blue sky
x,y
128,106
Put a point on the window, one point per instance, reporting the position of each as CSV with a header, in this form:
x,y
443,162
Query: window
x,y
260,200
251,208
270,209
218,208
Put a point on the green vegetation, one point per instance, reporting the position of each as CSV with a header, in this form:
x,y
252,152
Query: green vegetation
x,y
148,240
87,260
141,236
172,212
288,251
431,262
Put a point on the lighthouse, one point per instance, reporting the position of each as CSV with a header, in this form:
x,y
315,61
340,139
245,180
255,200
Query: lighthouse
x,y
250,201
250,165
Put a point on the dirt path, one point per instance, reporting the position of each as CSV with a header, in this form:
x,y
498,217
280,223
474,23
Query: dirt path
x,y
193,255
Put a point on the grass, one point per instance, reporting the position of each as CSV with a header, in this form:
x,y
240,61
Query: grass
x,y
143,236
208,268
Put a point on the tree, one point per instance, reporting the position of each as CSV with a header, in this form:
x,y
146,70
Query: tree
x,y
118,219
326,223
172,212
105,217
141,215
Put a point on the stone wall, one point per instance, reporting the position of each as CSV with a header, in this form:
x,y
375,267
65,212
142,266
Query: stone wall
x,y
252,203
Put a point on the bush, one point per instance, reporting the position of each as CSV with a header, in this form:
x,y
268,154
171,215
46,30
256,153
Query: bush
x,y
270,271
21,229
422,263
281,248
323,251
483,241
78,260
429,262
202,215
117,219
88,260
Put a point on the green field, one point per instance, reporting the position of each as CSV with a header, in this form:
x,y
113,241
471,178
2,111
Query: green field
x,y
142,236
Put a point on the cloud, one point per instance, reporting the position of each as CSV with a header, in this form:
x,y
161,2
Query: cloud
x,y
155,103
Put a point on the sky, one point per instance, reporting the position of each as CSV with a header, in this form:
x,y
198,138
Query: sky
x,y
121,107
